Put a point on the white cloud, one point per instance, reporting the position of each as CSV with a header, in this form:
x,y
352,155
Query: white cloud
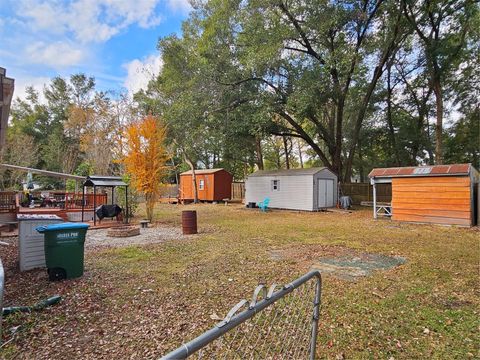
x,y
60,37
89,20
22,82
56,55
179,5
142,12
43,15
141,71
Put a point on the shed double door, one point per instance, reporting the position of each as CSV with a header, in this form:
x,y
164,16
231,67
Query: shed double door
x,y
325,193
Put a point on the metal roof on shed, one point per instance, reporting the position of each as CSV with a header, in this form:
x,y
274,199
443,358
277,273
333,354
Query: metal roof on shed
x,y
104,181
202,171
422,171
289,172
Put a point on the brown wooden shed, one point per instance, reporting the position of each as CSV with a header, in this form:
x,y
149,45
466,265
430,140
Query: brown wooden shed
x,y
212,185
441,194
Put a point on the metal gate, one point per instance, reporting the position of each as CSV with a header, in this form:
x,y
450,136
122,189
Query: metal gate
x,y
279,322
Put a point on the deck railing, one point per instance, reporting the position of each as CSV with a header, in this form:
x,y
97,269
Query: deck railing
x,y
68,200
11,200
8,201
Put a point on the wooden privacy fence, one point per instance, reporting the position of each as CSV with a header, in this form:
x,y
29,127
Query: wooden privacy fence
x,y
238,190
364,192
171,191
74,200
357,191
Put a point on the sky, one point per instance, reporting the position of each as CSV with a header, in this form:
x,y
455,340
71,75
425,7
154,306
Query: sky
x,y
113,40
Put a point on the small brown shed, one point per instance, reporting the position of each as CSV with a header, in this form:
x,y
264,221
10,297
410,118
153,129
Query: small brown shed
x,y
441,194
212,185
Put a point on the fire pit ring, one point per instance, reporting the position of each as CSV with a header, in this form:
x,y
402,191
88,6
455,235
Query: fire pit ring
x,y
124,231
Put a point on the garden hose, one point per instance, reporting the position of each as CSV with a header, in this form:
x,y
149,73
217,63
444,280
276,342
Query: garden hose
x,y
37,307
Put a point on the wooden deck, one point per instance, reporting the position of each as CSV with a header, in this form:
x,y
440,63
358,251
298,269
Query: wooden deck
x,y
38,210
62,213
106,224
61,204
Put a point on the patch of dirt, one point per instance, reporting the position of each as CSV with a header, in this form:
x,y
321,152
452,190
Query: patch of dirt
x,y
341,262
307,254
350,267
454,303
157,234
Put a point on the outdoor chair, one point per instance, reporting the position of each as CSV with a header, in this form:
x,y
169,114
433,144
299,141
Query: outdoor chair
x,y
263,205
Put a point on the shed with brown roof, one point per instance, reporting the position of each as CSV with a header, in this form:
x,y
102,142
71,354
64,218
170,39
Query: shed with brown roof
x,y
440,194
212,185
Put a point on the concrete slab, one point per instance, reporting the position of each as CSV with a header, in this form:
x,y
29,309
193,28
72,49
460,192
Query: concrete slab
x,y
352,267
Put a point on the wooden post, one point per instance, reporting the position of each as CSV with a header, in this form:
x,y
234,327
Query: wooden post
x,y
83,201
94,205
126,205
374,198
113,195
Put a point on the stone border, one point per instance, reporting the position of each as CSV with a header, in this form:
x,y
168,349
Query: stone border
x,y
123,231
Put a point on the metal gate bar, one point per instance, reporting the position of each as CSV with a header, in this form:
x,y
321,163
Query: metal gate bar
x,y
233,320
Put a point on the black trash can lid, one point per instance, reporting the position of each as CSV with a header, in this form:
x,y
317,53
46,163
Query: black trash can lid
x,y
62,226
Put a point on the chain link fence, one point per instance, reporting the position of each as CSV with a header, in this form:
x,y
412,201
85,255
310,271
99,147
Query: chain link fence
x,y
279,322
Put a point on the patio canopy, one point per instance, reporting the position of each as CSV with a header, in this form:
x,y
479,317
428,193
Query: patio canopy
x,y
104,181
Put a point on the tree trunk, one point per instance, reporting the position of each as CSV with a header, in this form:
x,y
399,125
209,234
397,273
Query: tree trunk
x,y
337,156
175,170
309,140
285,148
194,179
278,157
149,205
300,153
258,145
388,53
429,143
437,89
389,116
360,158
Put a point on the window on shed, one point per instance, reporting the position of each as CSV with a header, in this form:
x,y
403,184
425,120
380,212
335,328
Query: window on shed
x,y
275,185
201,185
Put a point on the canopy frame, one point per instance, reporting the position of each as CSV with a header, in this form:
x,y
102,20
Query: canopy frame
x,y
108,182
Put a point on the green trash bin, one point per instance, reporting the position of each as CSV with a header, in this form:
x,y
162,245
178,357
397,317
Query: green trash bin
x,y
64,249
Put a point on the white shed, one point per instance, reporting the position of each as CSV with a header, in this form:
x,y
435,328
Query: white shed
x,y
309,189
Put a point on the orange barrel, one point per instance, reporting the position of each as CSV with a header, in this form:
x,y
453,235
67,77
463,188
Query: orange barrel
x,y
189,222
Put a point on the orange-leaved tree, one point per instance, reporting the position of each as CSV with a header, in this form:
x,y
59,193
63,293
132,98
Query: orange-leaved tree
x,y
146,159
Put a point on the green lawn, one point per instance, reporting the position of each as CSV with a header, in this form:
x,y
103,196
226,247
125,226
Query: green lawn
x,y
140,302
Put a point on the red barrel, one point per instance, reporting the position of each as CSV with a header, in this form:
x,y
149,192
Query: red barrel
x,y
189,222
